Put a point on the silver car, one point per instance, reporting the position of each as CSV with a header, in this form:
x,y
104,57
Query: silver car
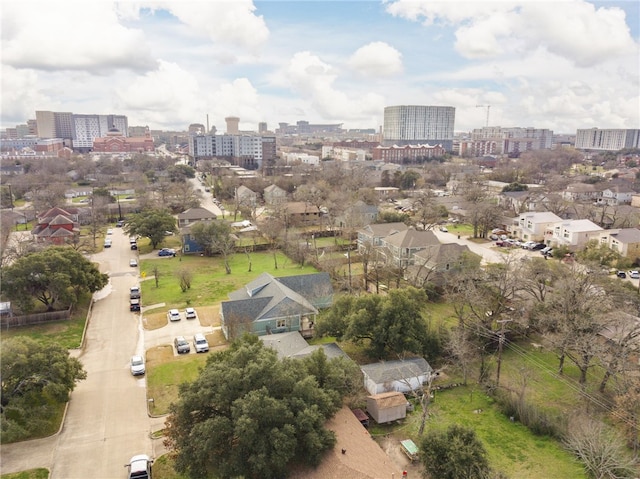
x,y
200,343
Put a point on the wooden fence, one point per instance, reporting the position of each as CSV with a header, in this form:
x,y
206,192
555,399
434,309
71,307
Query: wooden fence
x,y
12,321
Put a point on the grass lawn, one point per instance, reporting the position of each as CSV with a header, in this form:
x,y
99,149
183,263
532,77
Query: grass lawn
x,y
67,333
511,447
165,372
39,473
210,283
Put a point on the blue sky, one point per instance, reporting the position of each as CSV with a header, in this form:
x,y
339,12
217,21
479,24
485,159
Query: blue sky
x,y
562,64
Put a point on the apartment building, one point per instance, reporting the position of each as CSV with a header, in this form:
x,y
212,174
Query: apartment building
x,y
594,139
419,124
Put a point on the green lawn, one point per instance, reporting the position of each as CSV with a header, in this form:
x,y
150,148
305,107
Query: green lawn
x,y
210,283
39,473
511,447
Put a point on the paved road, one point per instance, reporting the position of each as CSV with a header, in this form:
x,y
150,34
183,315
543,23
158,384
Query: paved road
x,y
106,421
489,252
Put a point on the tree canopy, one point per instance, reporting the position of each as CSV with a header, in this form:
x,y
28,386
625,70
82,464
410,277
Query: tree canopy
x,y
391,324
454,453
35,377
215,237
54,276
152,224
250,414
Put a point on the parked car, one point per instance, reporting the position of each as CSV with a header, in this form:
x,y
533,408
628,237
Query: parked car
x,y
134,246
107,243
634,274
137,365
140,467
109,231
546,250
174,315
621,274
134,292
528,244
134,304
190,313
539,246
182,345
200,343
167,252
119,223
444,229
133,263
502,243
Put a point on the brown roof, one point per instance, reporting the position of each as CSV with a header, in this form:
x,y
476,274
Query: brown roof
x,y
363,457
300,207
390,399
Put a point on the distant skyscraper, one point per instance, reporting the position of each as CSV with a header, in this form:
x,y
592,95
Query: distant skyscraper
x,y
607,139
262,127
89,127
53,124
232,125
415,124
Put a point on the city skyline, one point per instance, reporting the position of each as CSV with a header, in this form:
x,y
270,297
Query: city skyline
x,y
558,65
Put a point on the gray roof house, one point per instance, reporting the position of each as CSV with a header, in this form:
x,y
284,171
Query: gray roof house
x,y
401,375
401,247
357,215
372,235
193,215
433,262
293,345
269,305
274,195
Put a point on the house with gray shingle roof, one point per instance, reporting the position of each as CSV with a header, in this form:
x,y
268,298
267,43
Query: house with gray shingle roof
x,y
372,235
625,241
293,345
401,375
269,305
274,195
400,247
435,261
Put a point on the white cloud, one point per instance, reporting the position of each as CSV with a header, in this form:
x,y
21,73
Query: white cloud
x,y
20,97
229,23
572,29
61,36
376,59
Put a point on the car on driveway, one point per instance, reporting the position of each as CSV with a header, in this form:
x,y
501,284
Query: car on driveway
x,y
133,263
140,467
190,313
182,345
137,365
528,244
634,274
538,246
167,252
200,343
174,315
621,274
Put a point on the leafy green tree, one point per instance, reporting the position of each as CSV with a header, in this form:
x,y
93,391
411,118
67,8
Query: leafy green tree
x,y
408,179
152,224
35,378
454,454
180,173
515,187
215,237
391,324
250,414
57,275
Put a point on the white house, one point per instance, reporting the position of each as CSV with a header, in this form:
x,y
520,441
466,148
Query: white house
x,y
402,375
573,233
616,195
531,226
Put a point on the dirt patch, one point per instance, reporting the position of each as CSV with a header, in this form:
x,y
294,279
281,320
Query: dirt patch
x,y
155,320
216,339
391,445
159,354
209,315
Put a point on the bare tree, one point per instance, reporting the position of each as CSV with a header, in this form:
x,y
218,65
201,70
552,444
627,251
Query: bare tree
x,y
185,276
599,448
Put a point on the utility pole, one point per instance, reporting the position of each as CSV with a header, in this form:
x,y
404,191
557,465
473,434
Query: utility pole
x,y
488,107
502,322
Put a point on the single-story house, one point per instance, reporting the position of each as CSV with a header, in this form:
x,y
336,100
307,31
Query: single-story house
x,y
269,305
387,407
400,375
274,195
293,345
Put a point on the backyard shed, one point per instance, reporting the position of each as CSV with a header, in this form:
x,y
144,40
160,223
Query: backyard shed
x,y
387,407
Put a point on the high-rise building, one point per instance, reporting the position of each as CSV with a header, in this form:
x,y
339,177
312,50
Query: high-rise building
x,y
89,127
262,127
417,125
247,151
607,139
54,124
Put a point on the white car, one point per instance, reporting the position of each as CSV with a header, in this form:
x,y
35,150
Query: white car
x,y
109,231
634,274
529,244
444,229
133,262
190,313
137,365
200,343
174,315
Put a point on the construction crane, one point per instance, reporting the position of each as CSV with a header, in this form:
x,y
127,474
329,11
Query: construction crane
x,y
488,107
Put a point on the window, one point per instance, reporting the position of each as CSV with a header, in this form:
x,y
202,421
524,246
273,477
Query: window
x,y
281,323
